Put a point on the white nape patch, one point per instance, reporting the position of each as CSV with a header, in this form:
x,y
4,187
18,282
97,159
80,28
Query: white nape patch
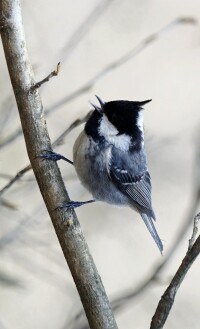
x,y
140,121
109,132
140,124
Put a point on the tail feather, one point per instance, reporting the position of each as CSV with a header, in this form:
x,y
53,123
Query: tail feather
x,y
150,225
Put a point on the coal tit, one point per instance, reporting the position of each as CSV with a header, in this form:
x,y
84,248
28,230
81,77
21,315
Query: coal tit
x,y
110,159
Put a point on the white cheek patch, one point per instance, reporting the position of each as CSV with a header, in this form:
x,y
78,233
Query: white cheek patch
x,y
108,130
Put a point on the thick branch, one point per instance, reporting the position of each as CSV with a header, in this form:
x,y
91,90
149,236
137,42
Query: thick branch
x,y
48,176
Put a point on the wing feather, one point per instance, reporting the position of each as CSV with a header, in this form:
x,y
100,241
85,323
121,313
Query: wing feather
x,y
137,188
126,175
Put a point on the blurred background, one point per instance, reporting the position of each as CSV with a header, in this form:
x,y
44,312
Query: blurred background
x,y
132,50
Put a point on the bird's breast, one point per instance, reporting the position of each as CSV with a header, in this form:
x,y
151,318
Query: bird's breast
x,y
92,161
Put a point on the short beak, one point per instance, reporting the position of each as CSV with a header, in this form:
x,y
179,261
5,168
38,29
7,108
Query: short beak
x,y
98,108
100,101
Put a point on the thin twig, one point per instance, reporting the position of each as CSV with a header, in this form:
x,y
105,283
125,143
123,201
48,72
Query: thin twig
x,y
8,204
167,299
10,281
15,179
12,137
195,231
73,125
51,75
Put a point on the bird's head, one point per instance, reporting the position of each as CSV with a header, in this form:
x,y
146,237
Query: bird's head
x,y
116,118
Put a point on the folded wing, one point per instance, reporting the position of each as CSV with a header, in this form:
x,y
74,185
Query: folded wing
x,y
125,173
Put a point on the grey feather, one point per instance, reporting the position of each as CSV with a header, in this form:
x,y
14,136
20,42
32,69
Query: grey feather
x,y
126,175
150,225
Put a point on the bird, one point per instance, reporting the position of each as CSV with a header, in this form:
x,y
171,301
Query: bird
x,y
110,159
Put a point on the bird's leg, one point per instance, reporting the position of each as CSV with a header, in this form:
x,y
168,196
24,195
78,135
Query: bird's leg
x,y
74,204
50,155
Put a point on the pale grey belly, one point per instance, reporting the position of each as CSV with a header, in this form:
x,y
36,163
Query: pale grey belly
x,y
92,171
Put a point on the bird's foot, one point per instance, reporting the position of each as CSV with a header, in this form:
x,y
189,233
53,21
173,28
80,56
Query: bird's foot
x,y
50,155
74,204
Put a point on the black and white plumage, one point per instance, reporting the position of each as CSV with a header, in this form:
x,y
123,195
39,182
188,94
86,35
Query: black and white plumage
x,y
110,158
